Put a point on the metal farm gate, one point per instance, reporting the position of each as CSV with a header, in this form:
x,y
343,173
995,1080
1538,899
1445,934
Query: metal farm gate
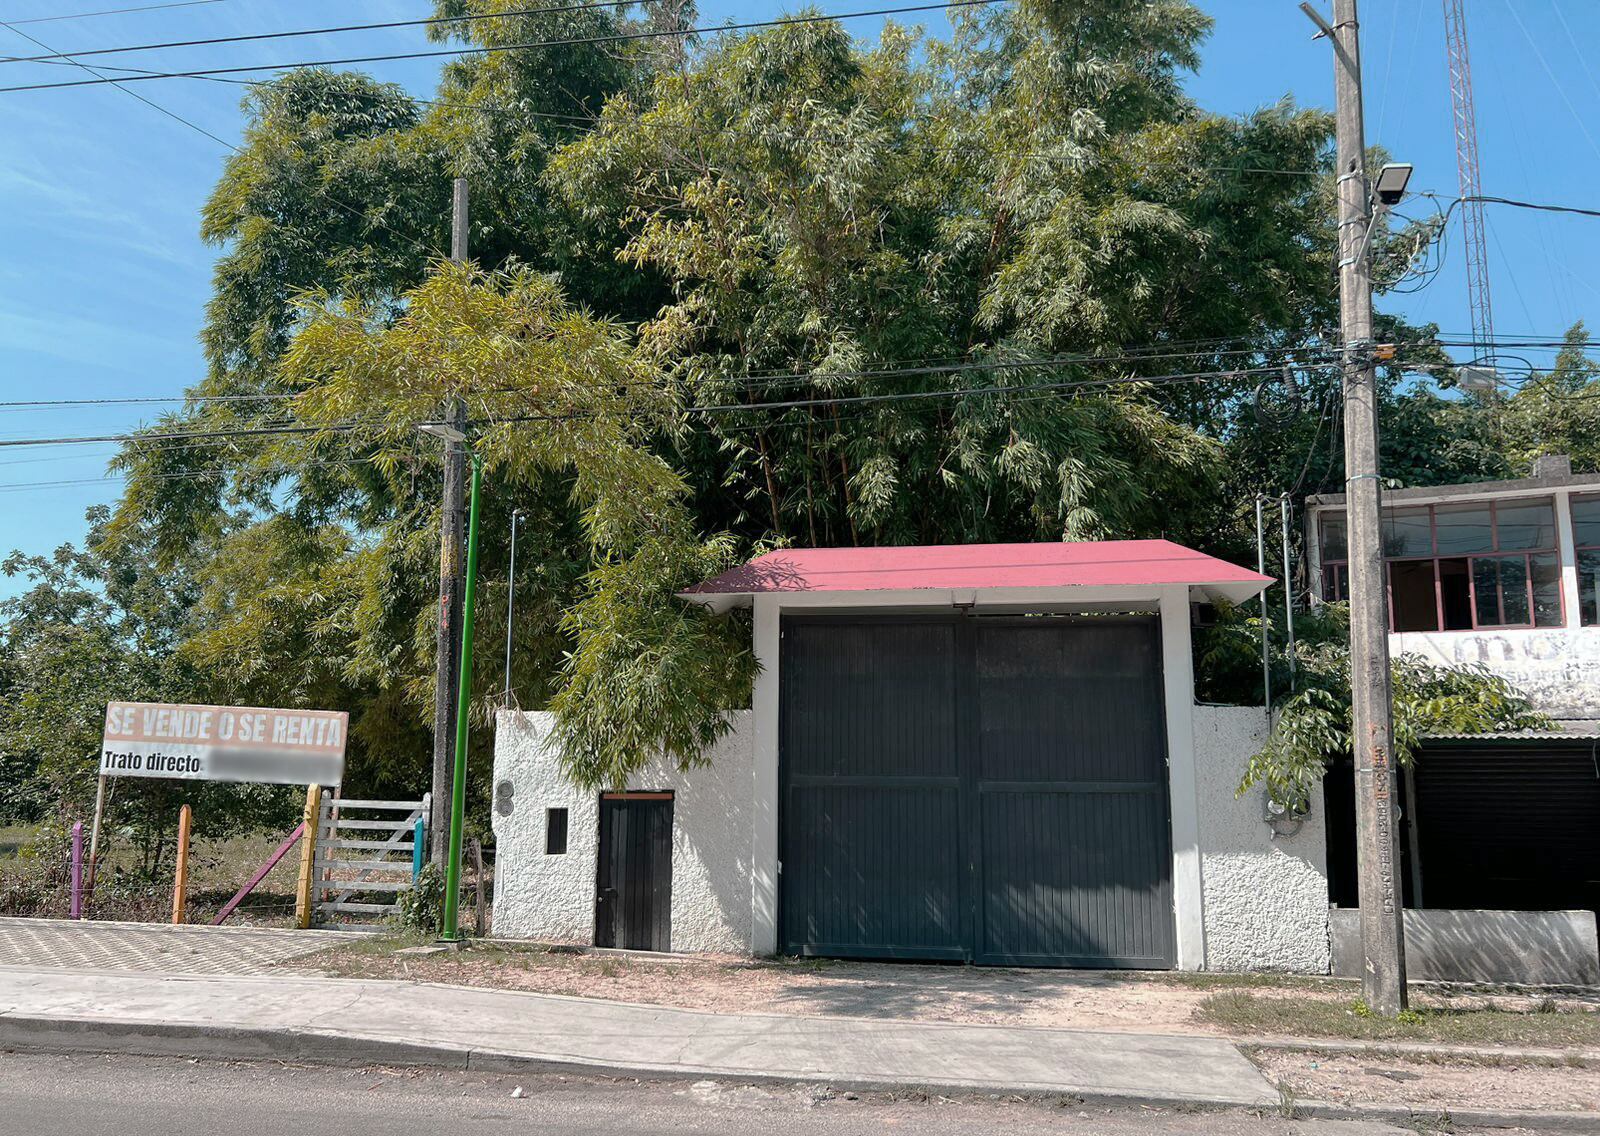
x,y
977,788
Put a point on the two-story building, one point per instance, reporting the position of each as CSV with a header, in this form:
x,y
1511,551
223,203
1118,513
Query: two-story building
x,y
1505,575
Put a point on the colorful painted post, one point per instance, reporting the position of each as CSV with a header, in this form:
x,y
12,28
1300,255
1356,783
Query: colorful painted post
x,y
261,874
419,848
308,856
180,881
458,795
77,870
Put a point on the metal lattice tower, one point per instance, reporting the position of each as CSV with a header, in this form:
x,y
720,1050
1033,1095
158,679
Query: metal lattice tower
x,y
1466,121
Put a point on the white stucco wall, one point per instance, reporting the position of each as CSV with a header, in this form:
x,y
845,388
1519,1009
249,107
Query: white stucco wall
x,y
1557,668
551,898
1265,895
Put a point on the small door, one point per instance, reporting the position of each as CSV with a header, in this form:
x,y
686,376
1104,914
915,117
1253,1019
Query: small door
x,y
633,902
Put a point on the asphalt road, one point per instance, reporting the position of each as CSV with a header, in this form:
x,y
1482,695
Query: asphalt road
x,y
132,1096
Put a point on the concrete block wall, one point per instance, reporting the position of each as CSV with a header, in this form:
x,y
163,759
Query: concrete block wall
x,y
551,898
1265,893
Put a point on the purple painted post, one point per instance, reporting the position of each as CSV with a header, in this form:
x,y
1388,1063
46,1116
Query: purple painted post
x,y
77,870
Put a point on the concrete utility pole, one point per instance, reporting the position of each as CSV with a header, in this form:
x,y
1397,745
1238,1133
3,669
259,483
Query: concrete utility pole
x,y
1383,978
448,641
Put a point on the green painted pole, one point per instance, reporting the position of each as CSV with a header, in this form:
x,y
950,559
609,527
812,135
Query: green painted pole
x,y
458,794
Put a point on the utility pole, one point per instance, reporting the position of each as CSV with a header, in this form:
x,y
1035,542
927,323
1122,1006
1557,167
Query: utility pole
x,y
1383,976
447,649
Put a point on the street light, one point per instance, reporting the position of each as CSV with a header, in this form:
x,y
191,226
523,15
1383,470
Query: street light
x,y
1391,184
1388,190
458,791
443,430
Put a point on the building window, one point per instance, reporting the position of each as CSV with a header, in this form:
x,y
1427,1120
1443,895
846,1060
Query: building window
x,y
1586,536
555,832
1458,567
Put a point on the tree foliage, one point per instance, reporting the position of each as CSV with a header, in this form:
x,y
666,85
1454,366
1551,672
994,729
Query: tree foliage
x,y
733,292
93,624
1311,726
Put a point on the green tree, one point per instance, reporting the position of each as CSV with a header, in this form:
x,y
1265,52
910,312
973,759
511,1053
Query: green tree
x,y
1557,411
555,395
1312,724
92,625
784,217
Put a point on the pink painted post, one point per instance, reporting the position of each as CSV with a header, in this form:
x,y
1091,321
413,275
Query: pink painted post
x,y
77,870
261,874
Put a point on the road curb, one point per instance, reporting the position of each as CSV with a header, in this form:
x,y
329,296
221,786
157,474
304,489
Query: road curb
x,y
156,1039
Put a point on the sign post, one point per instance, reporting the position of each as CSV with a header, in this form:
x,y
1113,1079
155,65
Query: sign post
x,y
180,879
308,857
183,742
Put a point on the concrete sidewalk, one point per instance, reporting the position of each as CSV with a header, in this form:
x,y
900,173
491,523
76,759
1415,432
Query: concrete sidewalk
x,y
362,1021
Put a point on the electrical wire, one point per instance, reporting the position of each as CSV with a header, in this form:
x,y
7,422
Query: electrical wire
x,y
116,11
256,37
317,189
297,428
99,77
489,49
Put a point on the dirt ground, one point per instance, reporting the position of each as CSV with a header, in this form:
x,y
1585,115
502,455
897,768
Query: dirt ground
x,y
1247,1007
1052,999
1431,1086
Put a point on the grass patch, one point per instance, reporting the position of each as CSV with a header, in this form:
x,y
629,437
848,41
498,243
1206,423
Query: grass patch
x,y
1241,1012
1218,980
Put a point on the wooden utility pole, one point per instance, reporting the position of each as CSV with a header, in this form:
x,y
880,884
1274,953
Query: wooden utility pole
x,y
1383,976
447,644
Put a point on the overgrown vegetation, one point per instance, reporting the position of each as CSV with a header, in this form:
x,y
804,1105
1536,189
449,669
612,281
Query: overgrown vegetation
x,y
699,261
1312,698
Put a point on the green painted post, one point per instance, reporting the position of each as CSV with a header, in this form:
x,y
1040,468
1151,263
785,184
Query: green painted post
x,y
458,794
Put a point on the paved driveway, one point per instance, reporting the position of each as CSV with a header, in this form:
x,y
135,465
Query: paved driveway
x,y
156,947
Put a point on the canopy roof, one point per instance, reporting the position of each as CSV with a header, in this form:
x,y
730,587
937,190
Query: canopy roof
x,y
981,567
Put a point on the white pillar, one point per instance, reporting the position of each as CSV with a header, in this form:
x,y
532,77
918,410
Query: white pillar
x,y
1177,668
1571,599
764,706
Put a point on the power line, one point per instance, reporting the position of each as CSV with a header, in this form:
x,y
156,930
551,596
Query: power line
x,y
116,11
255,37
294,428
224,143
619,37
101,78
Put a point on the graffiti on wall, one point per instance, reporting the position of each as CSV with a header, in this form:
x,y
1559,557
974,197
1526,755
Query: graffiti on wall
x,y
1559,670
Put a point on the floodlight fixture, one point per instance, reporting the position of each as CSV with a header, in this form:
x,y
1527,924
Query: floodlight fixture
x,y
442,430
1391,184
1478,377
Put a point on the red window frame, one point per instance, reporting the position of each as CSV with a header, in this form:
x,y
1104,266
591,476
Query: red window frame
x,y
1577,557
1336,581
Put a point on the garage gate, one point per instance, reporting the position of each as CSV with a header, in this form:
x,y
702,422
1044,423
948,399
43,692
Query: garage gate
x,y
975,788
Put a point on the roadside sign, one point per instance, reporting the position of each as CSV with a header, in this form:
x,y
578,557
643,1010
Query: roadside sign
x,y
224,743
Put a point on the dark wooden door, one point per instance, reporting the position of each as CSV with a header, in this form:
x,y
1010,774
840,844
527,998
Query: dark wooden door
x,y
633,901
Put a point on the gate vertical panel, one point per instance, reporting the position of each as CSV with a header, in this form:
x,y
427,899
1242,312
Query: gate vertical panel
x,y
870,789
1074,851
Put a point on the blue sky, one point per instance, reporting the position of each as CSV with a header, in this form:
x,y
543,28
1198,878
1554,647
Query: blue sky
x,y
104,279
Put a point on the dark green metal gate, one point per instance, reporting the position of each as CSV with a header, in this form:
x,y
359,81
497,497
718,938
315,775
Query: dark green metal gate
x,y
975,788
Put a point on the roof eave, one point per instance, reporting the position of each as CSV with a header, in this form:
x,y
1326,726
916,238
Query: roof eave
x,y
1231,591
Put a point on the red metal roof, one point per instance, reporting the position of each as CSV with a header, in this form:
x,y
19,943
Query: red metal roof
x,y
1109,563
